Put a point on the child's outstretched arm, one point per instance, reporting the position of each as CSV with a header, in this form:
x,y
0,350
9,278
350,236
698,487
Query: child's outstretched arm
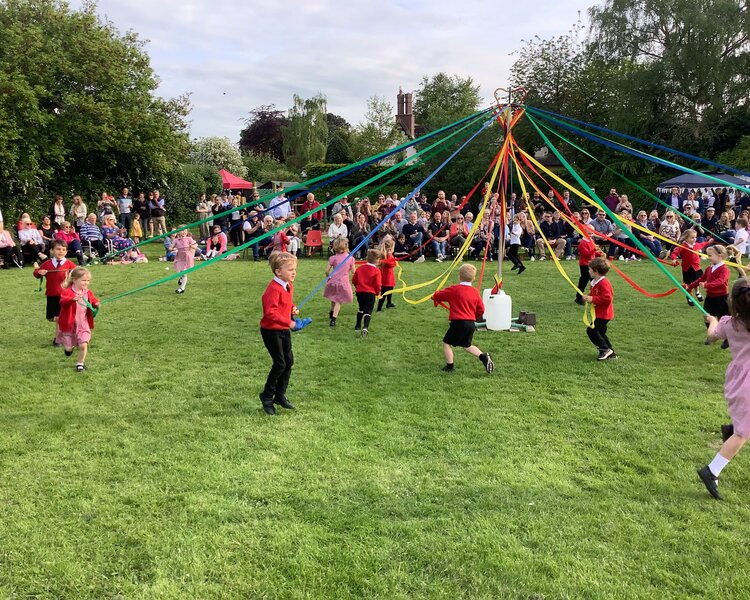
x,y
713,326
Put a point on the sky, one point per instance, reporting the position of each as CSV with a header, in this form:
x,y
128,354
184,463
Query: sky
x,y
235,55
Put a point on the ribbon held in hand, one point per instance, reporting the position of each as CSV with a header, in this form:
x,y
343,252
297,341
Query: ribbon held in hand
x,y
300,324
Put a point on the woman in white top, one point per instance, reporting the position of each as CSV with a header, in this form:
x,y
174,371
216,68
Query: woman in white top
x,y
337,229
78,212
57,210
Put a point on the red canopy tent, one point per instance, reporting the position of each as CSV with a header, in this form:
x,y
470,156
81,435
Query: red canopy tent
x,y
232,182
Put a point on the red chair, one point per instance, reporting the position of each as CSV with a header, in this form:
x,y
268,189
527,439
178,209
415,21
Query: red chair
x,y
313,242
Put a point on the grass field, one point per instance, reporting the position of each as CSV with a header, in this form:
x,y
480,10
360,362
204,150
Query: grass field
x,y
155,474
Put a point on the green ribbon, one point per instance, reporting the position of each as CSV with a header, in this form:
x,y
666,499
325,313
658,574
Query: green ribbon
x,y
615,218
478,118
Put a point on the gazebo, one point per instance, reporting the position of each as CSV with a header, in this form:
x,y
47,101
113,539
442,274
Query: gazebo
x,y
232,182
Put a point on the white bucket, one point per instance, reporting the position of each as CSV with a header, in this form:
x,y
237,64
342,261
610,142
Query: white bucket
x,y
497,310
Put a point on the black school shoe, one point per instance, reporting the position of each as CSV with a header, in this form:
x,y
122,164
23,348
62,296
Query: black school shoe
x,y
448,369
80,368
283,402
727,431
268,406
710,481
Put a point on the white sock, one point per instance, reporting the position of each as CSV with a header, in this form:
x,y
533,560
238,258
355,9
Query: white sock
x,y
717,464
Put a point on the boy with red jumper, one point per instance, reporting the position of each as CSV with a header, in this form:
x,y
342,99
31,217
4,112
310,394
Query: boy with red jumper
x,y
587,251
275,327
465,308
367,282
601,297
56,270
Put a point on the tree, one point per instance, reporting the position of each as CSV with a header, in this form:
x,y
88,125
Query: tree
x,y
378,131
305,137
77,106
688,61
262,132
265,167
443,99
219,153
339,139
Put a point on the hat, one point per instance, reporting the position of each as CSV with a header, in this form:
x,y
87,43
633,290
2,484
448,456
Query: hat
x,y
710,208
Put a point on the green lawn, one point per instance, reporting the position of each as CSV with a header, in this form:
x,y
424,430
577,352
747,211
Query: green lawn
x,y
155,474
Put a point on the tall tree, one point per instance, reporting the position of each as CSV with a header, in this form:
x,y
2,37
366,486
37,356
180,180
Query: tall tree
x,y
442,99
378,131
262,132
305,137
78,110
219,153
688,63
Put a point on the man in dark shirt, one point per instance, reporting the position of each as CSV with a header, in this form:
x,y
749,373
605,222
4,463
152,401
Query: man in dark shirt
x,y
553,232
414,236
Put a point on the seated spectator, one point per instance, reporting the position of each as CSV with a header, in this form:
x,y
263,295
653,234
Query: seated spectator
x,y
295,243
572,236
553,232
337,229
48,229
9,252
360,231
602,227
624,250
23,221
414,235
313,221
401,249
91,234
121,240
648,240
670,228
469,219
623,204
398,222
482,237
70,237
110,229
217,243
168,242
424,220
32,244
458,233
437,232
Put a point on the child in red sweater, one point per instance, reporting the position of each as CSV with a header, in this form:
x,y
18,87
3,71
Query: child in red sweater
x,y
601,297
56,271
715,282
387,268
76,317
367,283
587,251
466,307
691,260
275,326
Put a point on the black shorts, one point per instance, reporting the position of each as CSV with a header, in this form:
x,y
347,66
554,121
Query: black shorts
x,y
716,306
53,307
366,302
460,333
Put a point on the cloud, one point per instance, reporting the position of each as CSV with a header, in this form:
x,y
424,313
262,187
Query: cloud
x,y
233,56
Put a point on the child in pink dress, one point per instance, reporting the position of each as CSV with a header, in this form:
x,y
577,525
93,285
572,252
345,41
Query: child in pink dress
x,y
184,247
76,318
736,330
338,289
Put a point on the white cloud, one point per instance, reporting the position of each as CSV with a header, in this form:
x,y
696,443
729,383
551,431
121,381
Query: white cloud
x,y
233,56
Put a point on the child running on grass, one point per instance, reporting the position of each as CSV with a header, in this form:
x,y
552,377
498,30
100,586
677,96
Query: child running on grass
x,y
465,308
367,282
736,329
76,317
691,260
338,289
601,297
275,326
56,270
387,268
184,248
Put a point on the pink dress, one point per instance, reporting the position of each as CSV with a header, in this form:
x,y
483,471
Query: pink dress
x,y
184,256
81,333
737,382
338,289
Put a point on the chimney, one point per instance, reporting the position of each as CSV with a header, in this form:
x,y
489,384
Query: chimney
x,y
404,115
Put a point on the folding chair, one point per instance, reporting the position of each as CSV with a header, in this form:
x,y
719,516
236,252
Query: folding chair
x,y
313,242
